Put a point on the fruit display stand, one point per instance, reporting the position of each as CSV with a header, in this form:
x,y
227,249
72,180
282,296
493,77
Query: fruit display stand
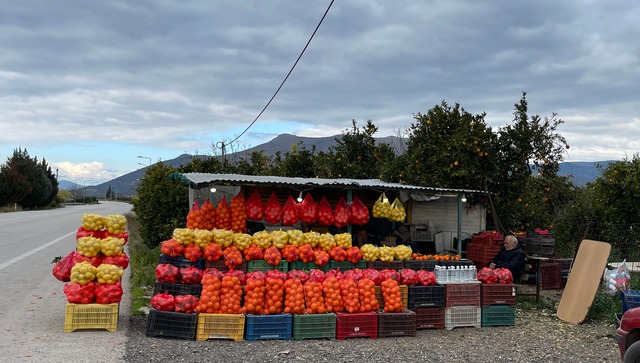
x,y
397,324
264,327
220,326
171,324
314,326
91,316
498,315
356,325
429,318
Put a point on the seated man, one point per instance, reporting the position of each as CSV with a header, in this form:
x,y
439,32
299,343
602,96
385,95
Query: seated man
x,y
511,256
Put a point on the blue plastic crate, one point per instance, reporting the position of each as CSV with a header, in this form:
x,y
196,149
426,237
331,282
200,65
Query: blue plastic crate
x,y
263,327
180,261
630,299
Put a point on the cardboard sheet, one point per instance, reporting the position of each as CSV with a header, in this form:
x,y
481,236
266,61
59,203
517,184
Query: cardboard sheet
x,y
584,280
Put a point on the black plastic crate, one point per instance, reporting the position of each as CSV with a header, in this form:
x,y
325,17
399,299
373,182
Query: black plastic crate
x,y
180,261
401,324
177,289
171,324
426,296
428,265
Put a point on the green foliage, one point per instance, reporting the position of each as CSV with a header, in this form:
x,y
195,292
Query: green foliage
x,y
27,182
604,306
297,162
142,262
618,191
161,204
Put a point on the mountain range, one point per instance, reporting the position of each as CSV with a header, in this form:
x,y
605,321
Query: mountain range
x,y
580,172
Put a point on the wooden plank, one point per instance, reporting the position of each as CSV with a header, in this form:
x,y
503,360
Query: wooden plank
x,y
582,284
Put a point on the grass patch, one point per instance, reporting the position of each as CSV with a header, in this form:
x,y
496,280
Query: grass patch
x,y
143,262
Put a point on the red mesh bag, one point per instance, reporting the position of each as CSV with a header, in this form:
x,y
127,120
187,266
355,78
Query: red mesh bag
x,y
341,214
273,210
208,215
308,209
194,217
290,215
108,293
171,248
238,214
62,269
359,214
118,260
190,275
185,304
80,294
325,213
167,273
254,207
164,302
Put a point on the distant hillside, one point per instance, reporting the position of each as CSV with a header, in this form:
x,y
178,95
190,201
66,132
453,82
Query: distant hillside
x,y
581,172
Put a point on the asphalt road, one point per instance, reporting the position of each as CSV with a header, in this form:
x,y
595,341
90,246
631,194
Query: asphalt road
x,y
32,301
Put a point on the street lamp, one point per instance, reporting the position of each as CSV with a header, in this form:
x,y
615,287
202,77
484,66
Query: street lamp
x,y
144,157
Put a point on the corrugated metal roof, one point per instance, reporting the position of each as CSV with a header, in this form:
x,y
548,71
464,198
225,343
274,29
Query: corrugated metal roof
x,y
199,180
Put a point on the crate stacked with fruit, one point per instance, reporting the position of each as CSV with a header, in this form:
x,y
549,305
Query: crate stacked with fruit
x,y
93,272
498,297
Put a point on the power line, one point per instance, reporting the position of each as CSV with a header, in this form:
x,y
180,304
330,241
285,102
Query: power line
x,y
285,78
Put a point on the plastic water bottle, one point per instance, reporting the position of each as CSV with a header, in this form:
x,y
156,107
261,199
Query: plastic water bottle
x,y
465,274
474,273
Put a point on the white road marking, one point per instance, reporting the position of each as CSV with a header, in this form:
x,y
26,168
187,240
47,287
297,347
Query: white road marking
x,y
35,250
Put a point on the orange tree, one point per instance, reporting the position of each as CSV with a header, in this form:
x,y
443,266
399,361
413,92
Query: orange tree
x,y
451,148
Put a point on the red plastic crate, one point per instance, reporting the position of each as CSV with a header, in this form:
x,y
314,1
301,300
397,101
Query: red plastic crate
x,y
429,318
356,325
482,253
401,324
497,294
550,276
462,294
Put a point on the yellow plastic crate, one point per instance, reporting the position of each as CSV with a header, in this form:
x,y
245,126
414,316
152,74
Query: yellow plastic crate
x,y
404,296
220,326
91,316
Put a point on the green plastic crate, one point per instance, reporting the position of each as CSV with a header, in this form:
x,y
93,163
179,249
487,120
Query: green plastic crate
x,y
262,265
314,326
299,265
498,315
346,265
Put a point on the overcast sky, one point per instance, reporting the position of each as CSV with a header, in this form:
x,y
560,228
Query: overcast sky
x,y
92,85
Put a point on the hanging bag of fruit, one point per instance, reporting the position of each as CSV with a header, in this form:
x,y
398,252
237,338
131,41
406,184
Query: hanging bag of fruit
x,y
290,215
382,208
308,209
325,213
358,212
255,209
273,210
398,213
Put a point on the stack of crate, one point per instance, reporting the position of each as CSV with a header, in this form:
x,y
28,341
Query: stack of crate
x,y
428,304
462,305
483,248
498,304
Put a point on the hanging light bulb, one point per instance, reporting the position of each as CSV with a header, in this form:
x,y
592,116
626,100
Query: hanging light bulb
x,y
464,198
299,199
213,189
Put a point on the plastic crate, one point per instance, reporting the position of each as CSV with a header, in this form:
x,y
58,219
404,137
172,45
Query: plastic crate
x,y
356,325
299,265
419,234
401,324
498,315
538,244
346,265
262,265
630,299
429,318
426,296
220,326
428,265
550,276
181,261
462,316
171,324
482,253
462,294
177,289
314,326
262,327
497,294
404,296
220,266
91,316
382,265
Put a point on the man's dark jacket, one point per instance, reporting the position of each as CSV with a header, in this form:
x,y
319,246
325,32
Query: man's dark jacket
x,y
513,260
